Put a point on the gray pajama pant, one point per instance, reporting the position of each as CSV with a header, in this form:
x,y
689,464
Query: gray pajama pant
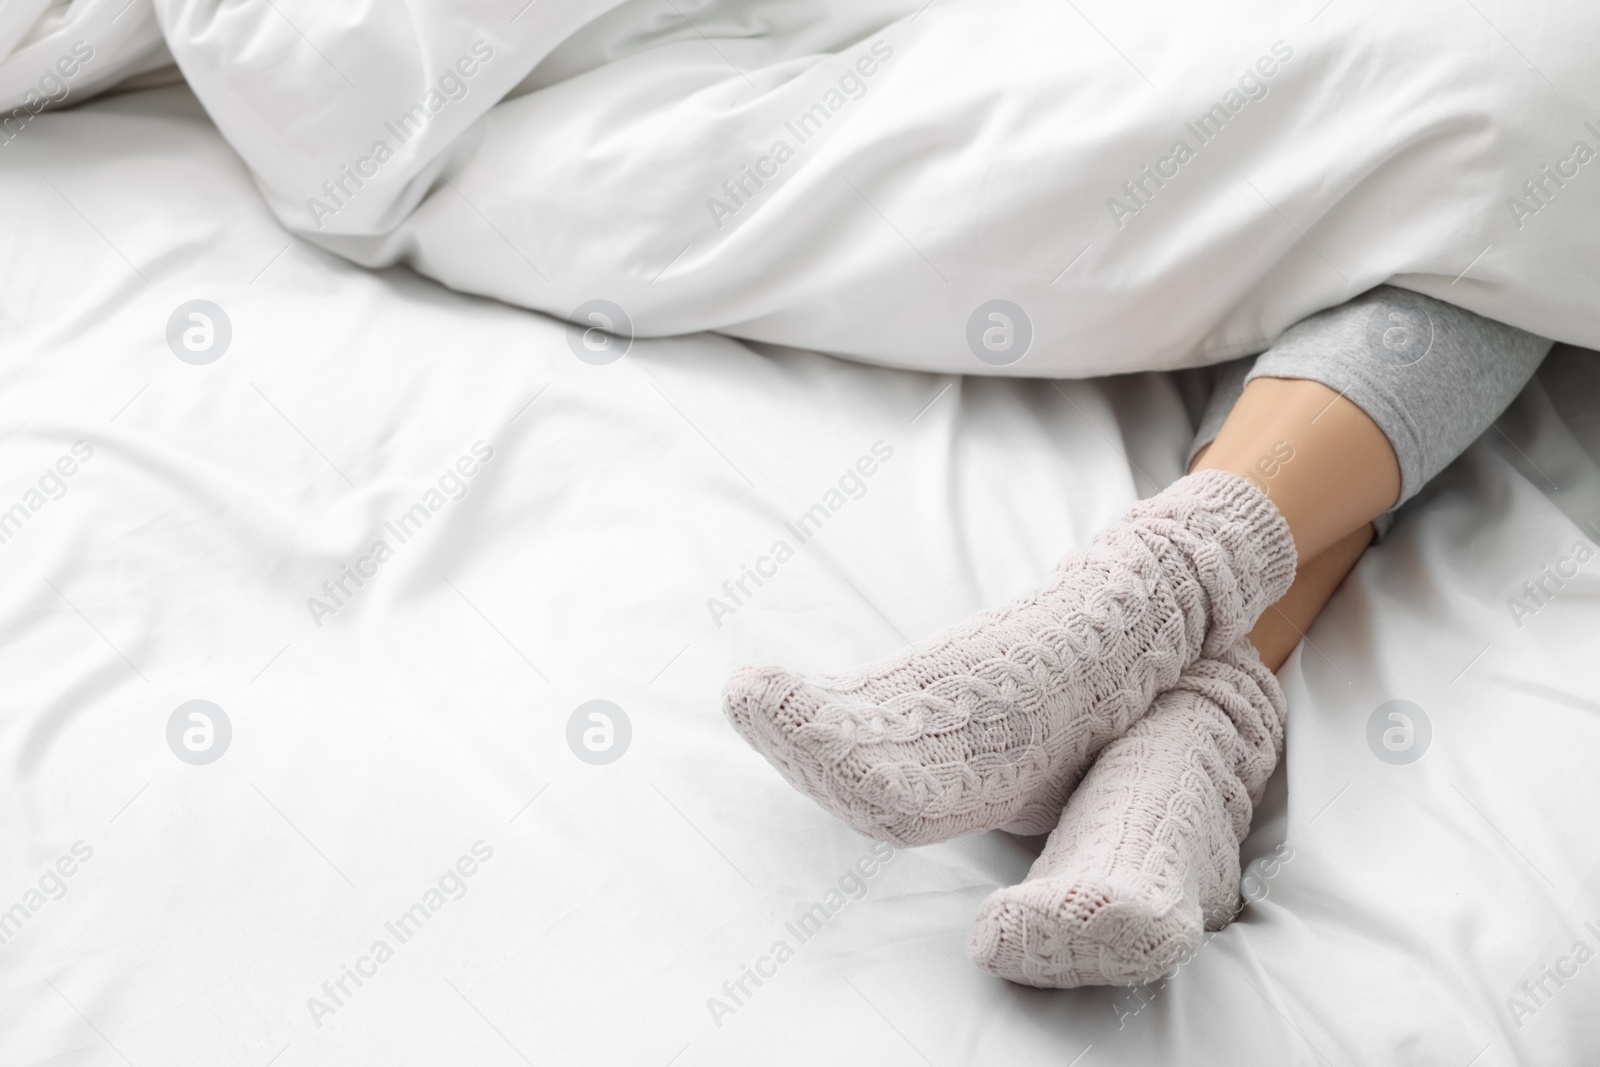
x,y
1431,375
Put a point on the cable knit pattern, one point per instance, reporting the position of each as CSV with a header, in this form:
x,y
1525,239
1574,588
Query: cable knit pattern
x,y
993,723
1146,856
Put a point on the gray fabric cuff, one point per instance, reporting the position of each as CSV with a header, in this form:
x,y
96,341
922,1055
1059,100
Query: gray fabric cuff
x,y
1431,375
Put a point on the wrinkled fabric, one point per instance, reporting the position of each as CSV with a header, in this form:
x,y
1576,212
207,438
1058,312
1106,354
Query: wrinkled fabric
x,y
1142,189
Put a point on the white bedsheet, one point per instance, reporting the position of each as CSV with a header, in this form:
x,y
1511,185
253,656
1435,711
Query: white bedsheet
x,y
427,716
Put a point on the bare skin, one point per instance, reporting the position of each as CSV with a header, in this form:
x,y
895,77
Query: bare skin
x,y
1328,468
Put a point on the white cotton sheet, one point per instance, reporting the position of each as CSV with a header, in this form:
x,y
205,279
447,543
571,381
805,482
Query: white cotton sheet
x,y
428,715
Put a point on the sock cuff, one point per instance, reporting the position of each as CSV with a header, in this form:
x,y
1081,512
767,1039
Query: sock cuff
x,y
1259,514
1229,511
1243,503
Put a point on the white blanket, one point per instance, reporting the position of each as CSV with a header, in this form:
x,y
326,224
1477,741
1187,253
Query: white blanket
x,y
59,53
1023,187
180,914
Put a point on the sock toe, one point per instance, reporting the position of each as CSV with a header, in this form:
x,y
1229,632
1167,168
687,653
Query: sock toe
x,y
768,706
783,717
1071,934
751,696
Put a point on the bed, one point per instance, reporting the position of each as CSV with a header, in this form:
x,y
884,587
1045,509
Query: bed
x,y
399,830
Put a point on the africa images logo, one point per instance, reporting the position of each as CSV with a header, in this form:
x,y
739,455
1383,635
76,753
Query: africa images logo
x,y
1399,732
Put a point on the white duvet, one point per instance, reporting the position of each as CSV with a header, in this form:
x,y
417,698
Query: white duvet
x,y
1023,187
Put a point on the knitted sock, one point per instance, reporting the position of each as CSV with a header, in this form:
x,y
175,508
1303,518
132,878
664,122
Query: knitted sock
x,y
992,724
1146,856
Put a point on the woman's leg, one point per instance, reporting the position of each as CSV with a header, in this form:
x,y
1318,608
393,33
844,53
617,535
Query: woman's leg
x,y
1284,624
1324,462
1330,470
1146,854
1125,888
